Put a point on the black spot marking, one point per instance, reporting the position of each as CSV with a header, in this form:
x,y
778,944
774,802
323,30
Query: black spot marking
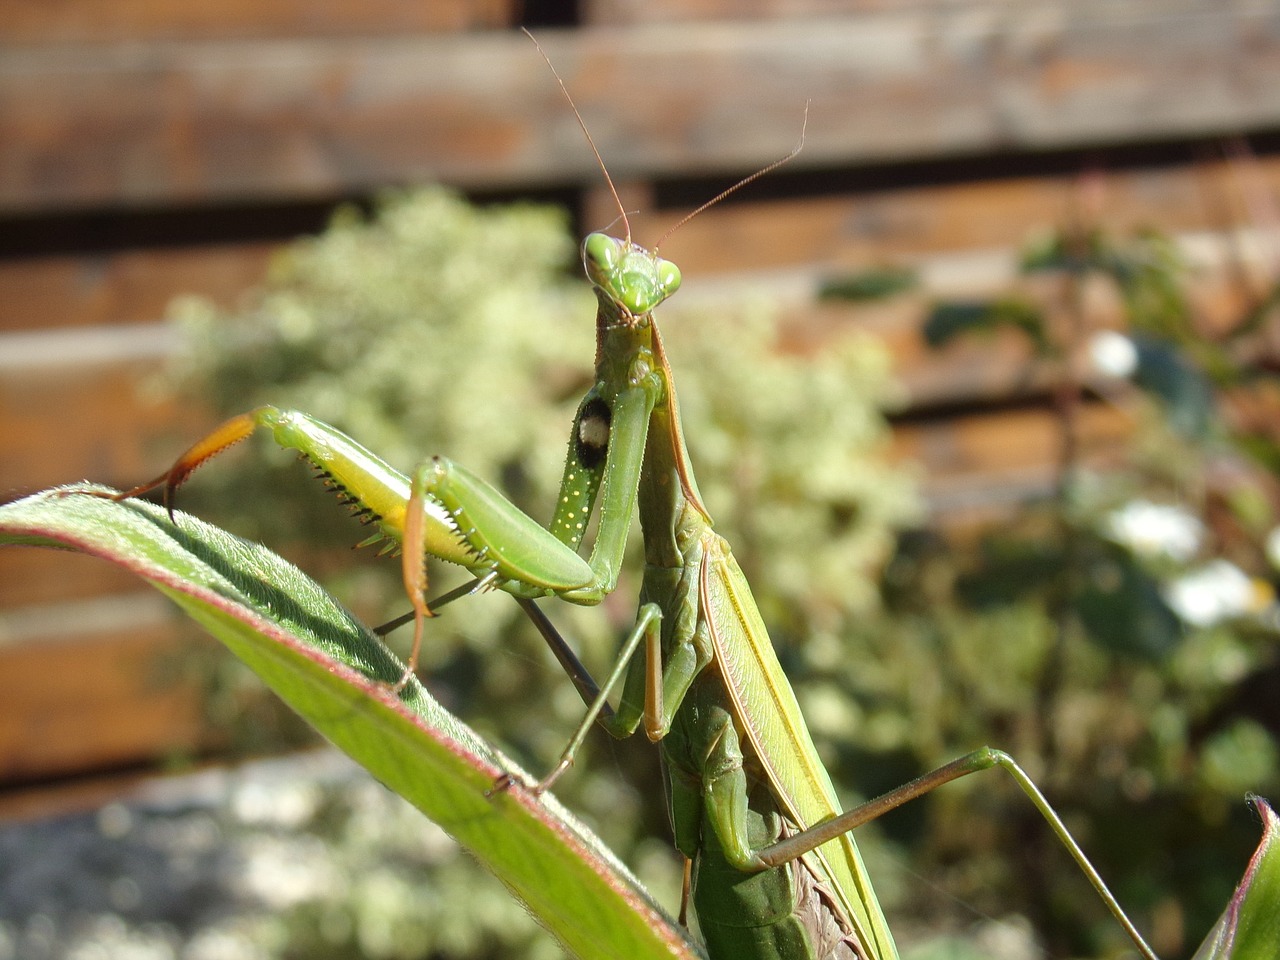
x,y
592,438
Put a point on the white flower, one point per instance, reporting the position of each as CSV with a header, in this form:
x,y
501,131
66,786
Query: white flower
x,y
1155,529
1217,591
1113,354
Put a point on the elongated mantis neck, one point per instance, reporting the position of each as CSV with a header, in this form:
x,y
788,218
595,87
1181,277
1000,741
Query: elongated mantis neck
x,y
621,338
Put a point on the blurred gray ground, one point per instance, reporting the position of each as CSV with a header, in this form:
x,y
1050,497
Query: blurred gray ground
x,y
199,867
304,856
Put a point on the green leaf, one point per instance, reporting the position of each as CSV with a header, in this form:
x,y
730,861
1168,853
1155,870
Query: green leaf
x,y
1250,927
955,318
1122,608
335,673
1164,371
1058,251
872,284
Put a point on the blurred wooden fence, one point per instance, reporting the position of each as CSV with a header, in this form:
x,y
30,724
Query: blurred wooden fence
x,y
149,149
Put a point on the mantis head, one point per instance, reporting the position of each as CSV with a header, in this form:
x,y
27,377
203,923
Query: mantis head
x,y
633,277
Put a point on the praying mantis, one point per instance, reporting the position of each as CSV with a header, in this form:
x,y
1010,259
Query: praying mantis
x,y
774,872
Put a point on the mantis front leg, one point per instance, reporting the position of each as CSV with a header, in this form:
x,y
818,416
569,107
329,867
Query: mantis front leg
x,y
445,510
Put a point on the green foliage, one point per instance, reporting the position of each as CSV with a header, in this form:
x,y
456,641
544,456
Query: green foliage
x,y
957,318
1109,636
872,284
433,326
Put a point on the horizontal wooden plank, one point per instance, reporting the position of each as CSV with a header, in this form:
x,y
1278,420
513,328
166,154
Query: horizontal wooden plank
x,y
997,461
853,228
844,230
970,371
37,575
47,800
684,11
84,420
1000,367
126,287
41,22
948,17
100,699
208,122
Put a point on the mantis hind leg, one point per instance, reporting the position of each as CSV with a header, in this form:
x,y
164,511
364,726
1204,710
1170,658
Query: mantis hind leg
x,y
647,630
677,650
984,759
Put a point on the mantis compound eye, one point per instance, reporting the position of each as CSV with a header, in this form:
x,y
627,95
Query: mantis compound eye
x,y
601,254
668,277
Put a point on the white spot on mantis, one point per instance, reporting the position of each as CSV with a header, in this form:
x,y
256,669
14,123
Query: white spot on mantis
x,y
593,432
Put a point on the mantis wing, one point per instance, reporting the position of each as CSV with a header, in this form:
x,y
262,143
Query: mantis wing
x,y
770,716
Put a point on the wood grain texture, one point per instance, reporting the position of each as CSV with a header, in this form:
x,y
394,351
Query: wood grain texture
x,y
218,121
42,22
123,287
97,699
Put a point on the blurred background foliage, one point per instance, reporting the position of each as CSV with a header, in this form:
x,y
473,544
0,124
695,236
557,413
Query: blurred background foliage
x,y
1120,636
430,326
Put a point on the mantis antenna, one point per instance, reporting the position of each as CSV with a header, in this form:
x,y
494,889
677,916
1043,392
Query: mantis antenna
x,y
587,133
768,168
613,190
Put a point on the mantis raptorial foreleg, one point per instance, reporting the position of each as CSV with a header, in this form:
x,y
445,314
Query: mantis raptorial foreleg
x,y
446,511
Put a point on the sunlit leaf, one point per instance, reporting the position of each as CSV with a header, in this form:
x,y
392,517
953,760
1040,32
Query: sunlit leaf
x,y
1250,927
337,675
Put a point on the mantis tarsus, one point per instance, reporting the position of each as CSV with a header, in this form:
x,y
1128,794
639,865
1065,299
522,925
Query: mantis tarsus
x,y
775,871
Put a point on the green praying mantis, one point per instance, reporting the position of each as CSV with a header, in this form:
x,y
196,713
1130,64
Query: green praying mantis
x,y
772,868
